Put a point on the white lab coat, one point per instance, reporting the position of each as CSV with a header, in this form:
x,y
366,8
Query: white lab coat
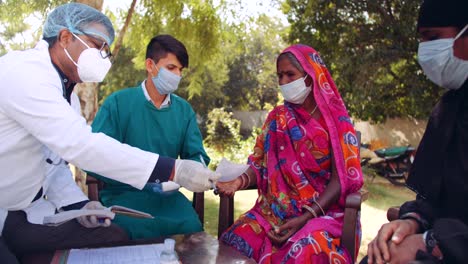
x,y
59,189
35,119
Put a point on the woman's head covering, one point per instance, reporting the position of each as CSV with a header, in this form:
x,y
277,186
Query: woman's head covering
x,y
340,127
296,155
79,19
443,13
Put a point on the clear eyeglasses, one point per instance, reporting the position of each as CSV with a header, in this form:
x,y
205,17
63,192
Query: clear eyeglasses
x,y
105,51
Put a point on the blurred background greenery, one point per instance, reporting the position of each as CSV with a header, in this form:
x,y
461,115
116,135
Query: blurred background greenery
x,y
369,47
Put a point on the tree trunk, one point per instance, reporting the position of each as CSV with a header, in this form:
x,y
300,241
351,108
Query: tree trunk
x,y
87,92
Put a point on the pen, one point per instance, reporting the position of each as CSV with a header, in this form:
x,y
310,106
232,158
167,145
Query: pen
x,y
213,186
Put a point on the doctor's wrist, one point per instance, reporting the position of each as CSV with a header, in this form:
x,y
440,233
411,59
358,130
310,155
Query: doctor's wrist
x,y
163,171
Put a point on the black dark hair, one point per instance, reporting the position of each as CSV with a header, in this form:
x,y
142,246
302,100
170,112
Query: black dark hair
x,y
289,56
161,45
50,40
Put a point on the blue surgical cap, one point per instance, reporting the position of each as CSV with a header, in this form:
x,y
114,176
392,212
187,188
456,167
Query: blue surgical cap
x,y
79,19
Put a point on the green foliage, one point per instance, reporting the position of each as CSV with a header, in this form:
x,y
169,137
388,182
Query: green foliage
x,y
224,141
231,65
223,131
16,19
212,76
194,22
251,52
370,47
238,154
123,74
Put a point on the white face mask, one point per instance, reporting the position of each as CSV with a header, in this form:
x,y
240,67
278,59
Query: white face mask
x,y
91,66
296,91
440,64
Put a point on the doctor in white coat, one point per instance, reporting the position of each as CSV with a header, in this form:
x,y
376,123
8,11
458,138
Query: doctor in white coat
x,y
40,132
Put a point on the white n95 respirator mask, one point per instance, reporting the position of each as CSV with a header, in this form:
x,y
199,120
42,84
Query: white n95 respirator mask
x,y
91,66
440,64
296,91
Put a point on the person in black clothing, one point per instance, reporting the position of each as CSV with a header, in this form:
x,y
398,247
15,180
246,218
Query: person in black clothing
x,y
434,227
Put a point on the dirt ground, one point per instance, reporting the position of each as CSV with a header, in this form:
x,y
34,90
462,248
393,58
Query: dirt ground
x,y
371,220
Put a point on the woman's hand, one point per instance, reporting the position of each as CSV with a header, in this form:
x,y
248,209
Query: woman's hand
x,y
396,232
230,187
282,233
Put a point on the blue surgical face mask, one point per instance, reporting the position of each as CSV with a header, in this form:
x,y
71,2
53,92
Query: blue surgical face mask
x,y
440,64
165,81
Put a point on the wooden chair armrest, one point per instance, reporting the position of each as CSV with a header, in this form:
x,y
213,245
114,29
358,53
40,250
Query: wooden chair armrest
x,y
354,200
352,209
393,213
226,213
198,203
93,188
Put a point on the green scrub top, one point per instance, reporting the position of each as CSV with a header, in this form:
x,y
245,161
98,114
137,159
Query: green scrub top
x,y
171,131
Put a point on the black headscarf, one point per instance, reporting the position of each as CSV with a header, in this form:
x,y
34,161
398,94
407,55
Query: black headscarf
x,y
443,13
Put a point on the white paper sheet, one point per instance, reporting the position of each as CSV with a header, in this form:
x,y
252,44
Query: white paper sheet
x,y
229,170
117,255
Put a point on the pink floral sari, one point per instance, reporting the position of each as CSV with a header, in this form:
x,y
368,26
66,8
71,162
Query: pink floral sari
x,y
292,159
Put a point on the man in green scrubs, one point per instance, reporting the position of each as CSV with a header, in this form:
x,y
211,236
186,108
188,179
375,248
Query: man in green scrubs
x,y
152,118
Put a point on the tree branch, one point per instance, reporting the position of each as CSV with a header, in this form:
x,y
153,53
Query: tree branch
x,y
122,32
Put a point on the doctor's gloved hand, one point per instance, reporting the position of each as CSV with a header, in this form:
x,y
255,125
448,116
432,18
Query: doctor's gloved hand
x,y
93,221
194,176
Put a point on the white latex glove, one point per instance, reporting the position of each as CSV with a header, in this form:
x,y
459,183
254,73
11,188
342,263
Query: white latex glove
x,y
194,176
93,221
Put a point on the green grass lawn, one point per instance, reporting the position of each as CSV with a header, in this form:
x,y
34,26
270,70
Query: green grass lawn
x,y
383,194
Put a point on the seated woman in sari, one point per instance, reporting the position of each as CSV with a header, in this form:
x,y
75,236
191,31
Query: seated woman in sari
x,y
305,163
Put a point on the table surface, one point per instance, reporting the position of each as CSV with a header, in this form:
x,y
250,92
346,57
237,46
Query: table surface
x,y
193,248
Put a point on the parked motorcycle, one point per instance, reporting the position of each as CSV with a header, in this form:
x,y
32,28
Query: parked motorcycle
x,y
391,163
